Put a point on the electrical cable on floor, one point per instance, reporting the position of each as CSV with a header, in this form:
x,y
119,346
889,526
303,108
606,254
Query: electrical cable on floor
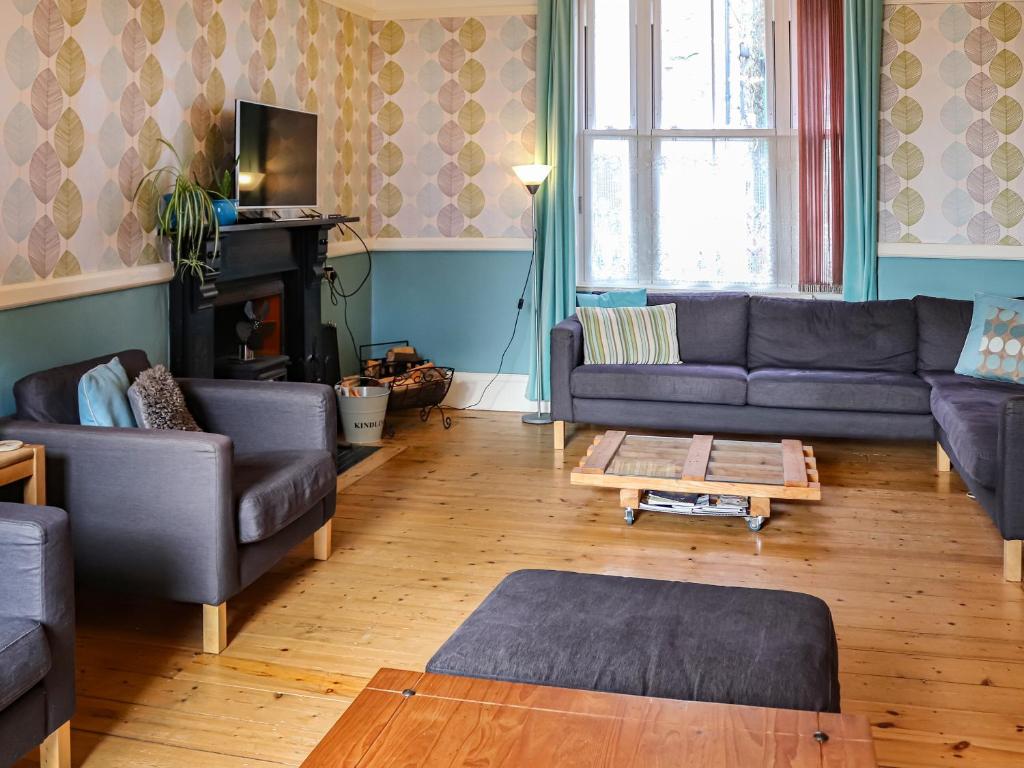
x,y
511,338
337,289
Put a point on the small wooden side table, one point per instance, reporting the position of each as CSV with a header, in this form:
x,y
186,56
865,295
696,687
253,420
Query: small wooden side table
x,y
27,463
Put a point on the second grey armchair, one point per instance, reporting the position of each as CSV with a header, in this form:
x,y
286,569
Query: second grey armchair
x,y
188,516
37,634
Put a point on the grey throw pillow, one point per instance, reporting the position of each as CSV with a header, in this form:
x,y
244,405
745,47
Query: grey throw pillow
x,y
158,403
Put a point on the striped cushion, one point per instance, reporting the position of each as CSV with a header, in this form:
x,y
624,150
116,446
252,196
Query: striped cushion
x,y
629,335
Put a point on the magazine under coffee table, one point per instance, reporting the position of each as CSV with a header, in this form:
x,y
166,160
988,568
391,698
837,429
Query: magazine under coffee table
x,y
703,464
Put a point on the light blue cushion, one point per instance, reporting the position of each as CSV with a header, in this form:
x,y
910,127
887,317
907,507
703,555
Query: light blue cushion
x,y
103,397
637,298
994,348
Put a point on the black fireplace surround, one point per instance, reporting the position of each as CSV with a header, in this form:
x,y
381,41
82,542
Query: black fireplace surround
x,y
288,255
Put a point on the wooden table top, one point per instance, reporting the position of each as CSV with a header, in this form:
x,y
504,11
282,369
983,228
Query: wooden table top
x,y
457,721
784,469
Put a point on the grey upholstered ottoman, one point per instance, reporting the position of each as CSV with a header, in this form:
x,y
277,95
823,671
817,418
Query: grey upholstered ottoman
x,y
668,639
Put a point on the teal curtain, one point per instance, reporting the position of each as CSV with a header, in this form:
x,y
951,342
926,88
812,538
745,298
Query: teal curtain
x,y
863,54
556,200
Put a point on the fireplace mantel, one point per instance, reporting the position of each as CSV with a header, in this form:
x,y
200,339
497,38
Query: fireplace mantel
x,y
292,252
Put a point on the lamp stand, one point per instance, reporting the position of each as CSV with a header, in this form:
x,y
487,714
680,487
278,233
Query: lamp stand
x,y
539,417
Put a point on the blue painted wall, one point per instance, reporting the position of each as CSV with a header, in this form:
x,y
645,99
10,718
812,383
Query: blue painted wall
x,y
455,307
950,278
45,335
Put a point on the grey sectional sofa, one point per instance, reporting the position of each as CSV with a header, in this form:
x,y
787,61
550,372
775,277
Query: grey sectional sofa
x,y
795,367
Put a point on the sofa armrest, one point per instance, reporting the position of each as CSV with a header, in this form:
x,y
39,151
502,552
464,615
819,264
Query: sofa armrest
x,y
1011,470
566,354
261,416
37,583
152,510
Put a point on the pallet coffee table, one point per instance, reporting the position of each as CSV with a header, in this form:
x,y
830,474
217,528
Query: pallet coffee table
x,y
701,464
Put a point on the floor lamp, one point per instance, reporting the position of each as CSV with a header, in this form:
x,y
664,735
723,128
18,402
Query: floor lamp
x,y
532,177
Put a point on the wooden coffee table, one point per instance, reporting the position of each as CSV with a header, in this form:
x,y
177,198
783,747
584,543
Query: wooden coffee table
x,y
701,464
427,720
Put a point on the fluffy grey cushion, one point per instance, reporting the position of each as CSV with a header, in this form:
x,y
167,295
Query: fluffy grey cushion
x,y
158,403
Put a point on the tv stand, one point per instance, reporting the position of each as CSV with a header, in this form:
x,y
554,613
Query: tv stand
x,y
251,218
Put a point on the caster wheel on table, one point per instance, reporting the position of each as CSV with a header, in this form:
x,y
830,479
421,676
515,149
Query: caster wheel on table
x,y
755,523
630,516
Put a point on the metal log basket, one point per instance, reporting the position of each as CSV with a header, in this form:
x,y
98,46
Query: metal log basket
x,y
423,388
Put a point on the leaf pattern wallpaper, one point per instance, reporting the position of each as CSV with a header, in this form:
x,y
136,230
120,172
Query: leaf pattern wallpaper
x,y
90,86
452,104
950,136
420,121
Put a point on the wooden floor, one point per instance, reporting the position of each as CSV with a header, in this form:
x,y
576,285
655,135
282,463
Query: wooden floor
x,y
931,639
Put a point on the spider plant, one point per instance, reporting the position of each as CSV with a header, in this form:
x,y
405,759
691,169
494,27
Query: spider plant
x,y
186,216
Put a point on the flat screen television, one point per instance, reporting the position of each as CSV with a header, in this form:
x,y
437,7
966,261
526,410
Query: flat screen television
x,y
277,154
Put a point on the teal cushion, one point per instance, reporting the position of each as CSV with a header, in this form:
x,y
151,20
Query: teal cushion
x,y
637,298
103,397
994,348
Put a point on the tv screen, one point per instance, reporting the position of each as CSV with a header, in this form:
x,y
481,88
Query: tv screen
x,y
277,152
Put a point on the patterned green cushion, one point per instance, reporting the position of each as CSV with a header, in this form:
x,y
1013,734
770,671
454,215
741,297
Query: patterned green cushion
x,y
995,344
629,335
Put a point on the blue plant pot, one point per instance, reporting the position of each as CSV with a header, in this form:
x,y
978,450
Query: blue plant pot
x,y
226,210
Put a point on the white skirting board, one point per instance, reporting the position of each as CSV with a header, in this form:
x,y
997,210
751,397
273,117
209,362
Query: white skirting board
x,y
507,393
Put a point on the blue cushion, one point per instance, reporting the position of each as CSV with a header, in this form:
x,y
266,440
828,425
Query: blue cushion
x,y
637,298
994,349
103,397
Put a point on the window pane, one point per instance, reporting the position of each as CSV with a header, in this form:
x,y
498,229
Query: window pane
x,y
713,207
713,64
612,212
612,91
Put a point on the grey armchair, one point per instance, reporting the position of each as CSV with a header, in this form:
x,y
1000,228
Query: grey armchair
x,y
188,516
37,634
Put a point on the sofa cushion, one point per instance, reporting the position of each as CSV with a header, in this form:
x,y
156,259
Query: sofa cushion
x,y
968,410
51,396
644,637
158,403
995,341
103,397
724,384
873,391
832,335
712,327
942,326
629,335
631,298
276,488
24,658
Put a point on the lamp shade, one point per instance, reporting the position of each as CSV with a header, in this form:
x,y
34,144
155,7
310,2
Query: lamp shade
x,y
532,175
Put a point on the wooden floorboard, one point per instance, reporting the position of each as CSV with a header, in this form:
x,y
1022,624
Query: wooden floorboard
x,y
931,638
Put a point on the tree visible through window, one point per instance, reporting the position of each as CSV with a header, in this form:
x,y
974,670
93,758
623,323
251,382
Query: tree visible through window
x,y
687,146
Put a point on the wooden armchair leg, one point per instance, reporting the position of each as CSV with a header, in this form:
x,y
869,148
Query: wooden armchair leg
x,y
1013,555
55,752
322,541
942,462
215,628
559,435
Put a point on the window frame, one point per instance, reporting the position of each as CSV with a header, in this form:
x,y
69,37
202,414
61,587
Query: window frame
x,y
645,73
